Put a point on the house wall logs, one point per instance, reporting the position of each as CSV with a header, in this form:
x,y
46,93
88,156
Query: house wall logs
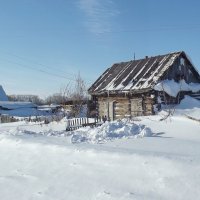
x,y
113,107
121,107
137,107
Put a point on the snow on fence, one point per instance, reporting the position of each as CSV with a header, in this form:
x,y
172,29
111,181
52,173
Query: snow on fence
x,y
76,123
5,118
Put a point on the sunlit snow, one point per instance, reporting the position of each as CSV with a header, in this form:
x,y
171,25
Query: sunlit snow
x,y
144,158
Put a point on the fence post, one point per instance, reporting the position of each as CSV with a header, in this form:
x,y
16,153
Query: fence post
x,y
68,125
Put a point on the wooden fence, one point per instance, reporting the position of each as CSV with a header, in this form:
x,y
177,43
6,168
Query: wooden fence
x,y
76,123
7,119
4,118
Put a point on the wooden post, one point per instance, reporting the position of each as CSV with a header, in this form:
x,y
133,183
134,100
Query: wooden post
x,y
73,122
81,121
67,127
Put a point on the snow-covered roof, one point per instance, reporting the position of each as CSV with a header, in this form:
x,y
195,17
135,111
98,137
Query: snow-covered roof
x,y
3,96
51,106
16,105
48,107
135,75
20,109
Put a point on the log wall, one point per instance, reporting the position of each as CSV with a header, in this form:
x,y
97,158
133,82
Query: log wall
x,y
121,107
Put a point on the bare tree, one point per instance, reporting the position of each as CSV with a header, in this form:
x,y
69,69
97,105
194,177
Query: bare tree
x,y
61,97
26,98
79,96
170,103
65,93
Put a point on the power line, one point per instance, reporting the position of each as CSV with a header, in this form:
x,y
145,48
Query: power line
x,y
152,29
42,70
35,62
39,70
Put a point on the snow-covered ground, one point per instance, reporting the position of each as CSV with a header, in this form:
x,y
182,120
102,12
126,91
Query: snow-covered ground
x,y
125,160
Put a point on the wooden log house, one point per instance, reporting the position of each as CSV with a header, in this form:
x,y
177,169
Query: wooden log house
x,y
127,89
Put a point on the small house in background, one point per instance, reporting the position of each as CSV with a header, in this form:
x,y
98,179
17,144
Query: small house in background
x,y
139,87
3,96
52,108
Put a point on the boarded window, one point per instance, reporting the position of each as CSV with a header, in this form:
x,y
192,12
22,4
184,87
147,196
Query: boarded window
x,y
115,110
136,107
103,108
120,109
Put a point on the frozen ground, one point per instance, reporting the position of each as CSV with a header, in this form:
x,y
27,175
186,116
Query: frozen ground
x,y
45,162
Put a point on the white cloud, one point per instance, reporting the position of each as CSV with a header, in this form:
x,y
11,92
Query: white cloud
x,y
99,13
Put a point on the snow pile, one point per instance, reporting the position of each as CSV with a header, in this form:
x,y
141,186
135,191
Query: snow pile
x,y
172,88
109,131
3,96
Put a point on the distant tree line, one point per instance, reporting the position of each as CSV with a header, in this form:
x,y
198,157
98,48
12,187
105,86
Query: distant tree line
x,y
76,94
26,98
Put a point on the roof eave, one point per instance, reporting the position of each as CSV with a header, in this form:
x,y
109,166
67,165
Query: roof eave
x,y
135,91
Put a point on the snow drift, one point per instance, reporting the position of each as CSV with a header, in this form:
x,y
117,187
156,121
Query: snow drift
x,y
109,131
189,107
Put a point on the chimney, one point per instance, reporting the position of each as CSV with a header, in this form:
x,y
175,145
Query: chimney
x,y
146,57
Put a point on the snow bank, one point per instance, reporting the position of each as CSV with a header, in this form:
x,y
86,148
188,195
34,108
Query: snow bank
x,y
172,88
189,103
109,131
189,107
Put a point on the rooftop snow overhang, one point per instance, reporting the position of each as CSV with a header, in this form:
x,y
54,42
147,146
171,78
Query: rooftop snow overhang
x,y
103,92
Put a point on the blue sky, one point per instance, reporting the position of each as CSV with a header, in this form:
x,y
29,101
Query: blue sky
x,y
44,44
